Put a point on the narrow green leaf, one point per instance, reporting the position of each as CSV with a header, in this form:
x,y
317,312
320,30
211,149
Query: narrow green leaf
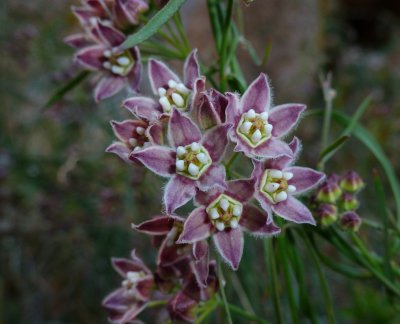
x,y
64,89
154,24
357,115
267,52
328,152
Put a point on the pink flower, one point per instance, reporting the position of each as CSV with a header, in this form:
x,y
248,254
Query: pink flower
x,y
257,129
278,183
136,134
192,161
117,66
224,214
125,303
172,92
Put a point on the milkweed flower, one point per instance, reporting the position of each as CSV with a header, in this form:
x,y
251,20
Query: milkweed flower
x,y
116,66
224,214
256,127
192,161
136,134
172,92
278,183
126,302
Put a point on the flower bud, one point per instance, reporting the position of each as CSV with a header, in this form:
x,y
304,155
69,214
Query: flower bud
x,y
326,214
349,201
351,182
350,221
329,192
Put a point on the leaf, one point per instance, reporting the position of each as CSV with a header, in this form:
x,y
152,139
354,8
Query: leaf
x,y
370,142
357,115
333,148
64,89
154,24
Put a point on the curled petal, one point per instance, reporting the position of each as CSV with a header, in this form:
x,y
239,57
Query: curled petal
x,y
107,87
77,41
257,96
270,149
233,113
182,131
159,75
191,69
124,130
90,57
127,12
304,179
212,178
229,244
143,107
123,266
283,161
178,192
257,222
216,141
135,74
159,159
283,118
181,308
121,150
197,227
116,300
155,134
200,264
109,35
293,210
159,225
205,198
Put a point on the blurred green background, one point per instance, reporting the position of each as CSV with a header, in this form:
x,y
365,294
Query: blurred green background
x,y
66,206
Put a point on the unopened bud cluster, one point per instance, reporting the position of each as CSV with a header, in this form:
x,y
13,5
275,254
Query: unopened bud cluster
x,y
337,199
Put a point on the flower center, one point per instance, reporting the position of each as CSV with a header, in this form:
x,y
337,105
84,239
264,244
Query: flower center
x,y
254,128
275,186
224,212
132,278
138,139
192,160
118,62
176,95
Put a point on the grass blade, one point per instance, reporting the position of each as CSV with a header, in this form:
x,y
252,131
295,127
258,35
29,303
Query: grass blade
x,y
154,24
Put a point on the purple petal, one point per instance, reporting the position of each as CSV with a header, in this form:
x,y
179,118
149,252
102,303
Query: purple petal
x,y
135,74
216,141
229,244
84,15
213,177
107,87
110,35
270,149
241,190
169,253
182,131
257,222
143,107
132,312
197,227
121,150
180,308
155,134
233,113
127,11
293,210
178,192
123,266
304,179
219,102
204,198
116,300
257,96
191,69
77,41
200,264
91,57
124,130
160,225
283,118
283,161
159,75
159,159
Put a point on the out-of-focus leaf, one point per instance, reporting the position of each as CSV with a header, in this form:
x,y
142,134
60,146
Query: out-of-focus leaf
x,y
63,90
154,24
333,148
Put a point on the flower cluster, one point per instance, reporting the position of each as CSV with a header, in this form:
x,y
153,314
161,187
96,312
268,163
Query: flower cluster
x,y
99,49
185,133
338,196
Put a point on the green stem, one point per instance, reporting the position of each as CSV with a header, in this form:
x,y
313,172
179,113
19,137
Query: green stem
x,y
224,44
156,303
244,314
271,266
222,291
322,279
181,30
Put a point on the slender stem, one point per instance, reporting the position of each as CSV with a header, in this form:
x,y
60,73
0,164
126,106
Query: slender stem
x,y
241,293
156,303
208,310
271,266
242,313
181,30
222,291
224,44
324,284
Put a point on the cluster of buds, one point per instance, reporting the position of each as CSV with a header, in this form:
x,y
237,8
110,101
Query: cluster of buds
x,y
182,133
337,199
99,45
